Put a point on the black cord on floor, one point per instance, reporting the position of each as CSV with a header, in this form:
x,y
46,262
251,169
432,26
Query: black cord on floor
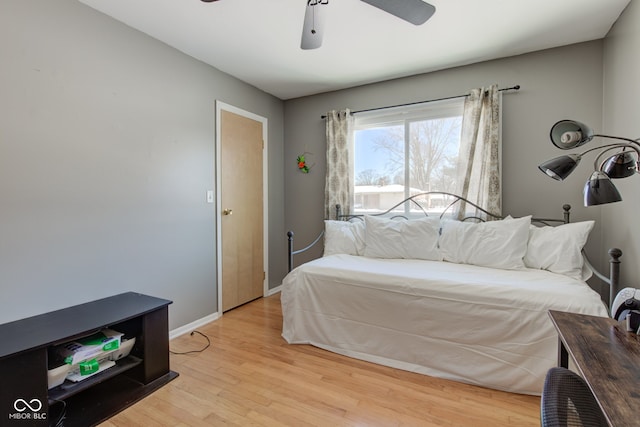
x,y
63,412
194,351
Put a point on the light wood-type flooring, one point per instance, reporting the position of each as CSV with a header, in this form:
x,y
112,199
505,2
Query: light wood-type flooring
x,y
251,377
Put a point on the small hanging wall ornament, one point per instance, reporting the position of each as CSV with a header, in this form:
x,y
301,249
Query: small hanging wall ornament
x,y
302,162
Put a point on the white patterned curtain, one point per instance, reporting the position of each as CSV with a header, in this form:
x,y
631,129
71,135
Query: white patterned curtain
x,y
479,178
338,189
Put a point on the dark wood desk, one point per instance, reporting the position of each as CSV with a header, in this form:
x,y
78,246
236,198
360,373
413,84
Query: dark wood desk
x,y
607,357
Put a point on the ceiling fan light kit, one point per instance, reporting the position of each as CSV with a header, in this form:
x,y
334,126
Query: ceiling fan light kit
x,y
416,12
313,26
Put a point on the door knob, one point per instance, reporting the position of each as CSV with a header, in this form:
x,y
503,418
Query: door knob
x,y
227,212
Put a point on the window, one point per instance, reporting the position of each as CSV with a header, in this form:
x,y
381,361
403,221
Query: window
x,y
403,151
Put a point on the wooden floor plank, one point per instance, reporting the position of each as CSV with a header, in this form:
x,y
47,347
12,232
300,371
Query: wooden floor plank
x,y
250,376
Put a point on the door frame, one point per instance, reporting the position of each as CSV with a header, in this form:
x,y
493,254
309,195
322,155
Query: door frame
x,y
220,106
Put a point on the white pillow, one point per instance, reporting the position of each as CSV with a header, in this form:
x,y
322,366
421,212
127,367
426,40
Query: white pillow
x,y
497,244
343,237
559,249
399,238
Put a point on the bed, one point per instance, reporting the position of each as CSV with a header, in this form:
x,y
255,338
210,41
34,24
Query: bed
x,y
460,300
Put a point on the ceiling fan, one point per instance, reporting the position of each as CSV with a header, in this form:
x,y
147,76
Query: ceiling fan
x,y
416,12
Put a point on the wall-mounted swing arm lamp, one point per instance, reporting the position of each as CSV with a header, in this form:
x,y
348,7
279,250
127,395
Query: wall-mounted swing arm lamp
x,y
568,134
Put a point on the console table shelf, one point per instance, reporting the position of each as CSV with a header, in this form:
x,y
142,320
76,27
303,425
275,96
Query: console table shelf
x,y
68,389
25,345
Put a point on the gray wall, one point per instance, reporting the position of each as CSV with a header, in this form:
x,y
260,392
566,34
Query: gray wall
x,y
622,118
556,84
107,145
106,153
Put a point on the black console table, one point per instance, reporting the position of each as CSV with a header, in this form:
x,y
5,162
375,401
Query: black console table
x,y
25,344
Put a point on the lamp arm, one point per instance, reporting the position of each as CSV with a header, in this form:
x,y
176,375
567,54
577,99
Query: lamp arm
x,y
616,145
632,141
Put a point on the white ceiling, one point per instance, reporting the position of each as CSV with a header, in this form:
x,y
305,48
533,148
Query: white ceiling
x,y
258,41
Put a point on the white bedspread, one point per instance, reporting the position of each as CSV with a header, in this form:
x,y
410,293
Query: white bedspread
x,y
461,322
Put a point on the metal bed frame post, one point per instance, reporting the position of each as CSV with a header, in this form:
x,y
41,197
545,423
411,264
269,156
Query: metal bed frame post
x,y
567,212
614,275
290,248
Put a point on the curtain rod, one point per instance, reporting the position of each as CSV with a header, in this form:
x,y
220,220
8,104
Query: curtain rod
x,y
516,87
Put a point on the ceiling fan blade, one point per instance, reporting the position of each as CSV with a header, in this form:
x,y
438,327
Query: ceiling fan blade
x,y
313,27
415,11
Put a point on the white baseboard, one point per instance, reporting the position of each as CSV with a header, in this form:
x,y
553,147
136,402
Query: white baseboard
x,y
273,291
175,333
193,325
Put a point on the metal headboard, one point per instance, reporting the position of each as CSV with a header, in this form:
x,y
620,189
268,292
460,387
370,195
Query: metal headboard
x,y
614,262
415,202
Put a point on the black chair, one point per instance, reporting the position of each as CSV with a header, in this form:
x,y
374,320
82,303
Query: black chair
x,y
568,401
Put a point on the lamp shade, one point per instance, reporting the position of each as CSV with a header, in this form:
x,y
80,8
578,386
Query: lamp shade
x,y
560,167
620,165
568,134
600,190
